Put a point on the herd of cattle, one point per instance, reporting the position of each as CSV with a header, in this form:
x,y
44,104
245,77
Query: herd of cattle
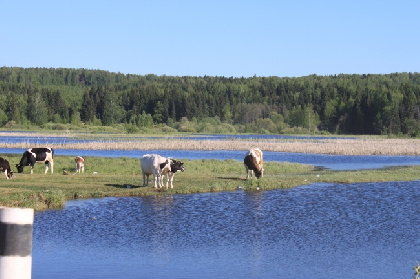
x,y
151,164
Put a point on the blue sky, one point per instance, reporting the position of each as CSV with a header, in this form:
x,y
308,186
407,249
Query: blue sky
x,y
215,38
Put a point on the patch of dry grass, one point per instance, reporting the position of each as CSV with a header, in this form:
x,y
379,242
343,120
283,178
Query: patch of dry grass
x,y
339,146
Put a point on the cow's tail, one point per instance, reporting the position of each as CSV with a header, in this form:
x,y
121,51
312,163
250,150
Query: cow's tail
x,y
52,151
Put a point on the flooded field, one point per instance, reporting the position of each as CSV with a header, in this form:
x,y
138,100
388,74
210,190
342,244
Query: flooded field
x,y
362,230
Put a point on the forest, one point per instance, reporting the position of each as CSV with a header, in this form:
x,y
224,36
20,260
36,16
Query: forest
x,y
62,98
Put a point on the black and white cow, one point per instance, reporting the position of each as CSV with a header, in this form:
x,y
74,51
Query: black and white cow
x,y
5,167
37,155
175,166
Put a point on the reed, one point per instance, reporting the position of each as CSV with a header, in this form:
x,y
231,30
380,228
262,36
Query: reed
x,y
367,145
329,146
122,177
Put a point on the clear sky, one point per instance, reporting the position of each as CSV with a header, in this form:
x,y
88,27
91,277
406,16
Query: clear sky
x,y
216,38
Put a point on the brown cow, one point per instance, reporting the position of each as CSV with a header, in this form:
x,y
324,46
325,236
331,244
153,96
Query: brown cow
x,y
253,162
79,164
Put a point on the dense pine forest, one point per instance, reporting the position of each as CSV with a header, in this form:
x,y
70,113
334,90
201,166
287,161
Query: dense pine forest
x,y
61,98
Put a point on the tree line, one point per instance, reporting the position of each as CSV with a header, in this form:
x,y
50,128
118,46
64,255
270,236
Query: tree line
x,y
340,104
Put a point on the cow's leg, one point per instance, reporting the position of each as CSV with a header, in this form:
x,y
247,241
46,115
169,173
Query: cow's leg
x,y
161,180
83,168
32,169
156,180
144,179
52,166
247,171
46,167
171,178
5,173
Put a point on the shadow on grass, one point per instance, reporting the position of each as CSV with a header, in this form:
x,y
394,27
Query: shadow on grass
x,y
232,178
125,186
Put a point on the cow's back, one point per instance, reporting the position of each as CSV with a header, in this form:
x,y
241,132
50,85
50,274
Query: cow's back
x,y
151,163
41,153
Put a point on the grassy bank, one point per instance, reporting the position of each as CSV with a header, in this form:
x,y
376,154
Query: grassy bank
x,y
122,177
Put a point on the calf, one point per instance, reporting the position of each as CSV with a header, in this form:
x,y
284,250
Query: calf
x,y
253,162
79,164
154,164
175,166
4,166
37,155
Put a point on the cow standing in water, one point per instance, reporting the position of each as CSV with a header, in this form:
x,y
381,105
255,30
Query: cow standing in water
x,y
37,155
253,162
5,167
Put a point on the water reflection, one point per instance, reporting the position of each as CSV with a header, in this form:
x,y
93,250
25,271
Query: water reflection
x,y
363,230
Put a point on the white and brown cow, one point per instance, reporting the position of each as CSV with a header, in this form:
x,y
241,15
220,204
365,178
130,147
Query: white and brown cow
x,y
154,164
253,162
37,155
175,166
79,163
5,167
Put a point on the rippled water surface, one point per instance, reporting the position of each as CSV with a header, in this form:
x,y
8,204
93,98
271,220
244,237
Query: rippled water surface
x,y
363,230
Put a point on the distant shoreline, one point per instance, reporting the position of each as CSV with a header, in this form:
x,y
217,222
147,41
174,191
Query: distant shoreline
x,y
339,146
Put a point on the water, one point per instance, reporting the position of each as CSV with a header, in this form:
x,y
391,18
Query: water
x,y
362,230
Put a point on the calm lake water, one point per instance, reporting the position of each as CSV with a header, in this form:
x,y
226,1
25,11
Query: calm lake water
x,y
362,230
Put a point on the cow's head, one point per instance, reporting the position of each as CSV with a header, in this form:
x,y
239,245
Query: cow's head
x,y
177,166
258,173
19,168
9,174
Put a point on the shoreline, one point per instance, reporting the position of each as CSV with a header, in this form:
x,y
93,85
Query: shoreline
x,y
339,146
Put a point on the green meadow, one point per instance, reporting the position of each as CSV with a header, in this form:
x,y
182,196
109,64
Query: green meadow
x,y
119,177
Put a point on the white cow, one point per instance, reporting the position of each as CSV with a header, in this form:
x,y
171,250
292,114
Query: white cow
x,y
154,164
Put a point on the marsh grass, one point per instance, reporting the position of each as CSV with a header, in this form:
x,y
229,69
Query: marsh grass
x,y
122,177
330,146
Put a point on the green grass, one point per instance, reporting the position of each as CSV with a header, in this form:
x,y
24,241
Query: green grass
x,y
42,191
